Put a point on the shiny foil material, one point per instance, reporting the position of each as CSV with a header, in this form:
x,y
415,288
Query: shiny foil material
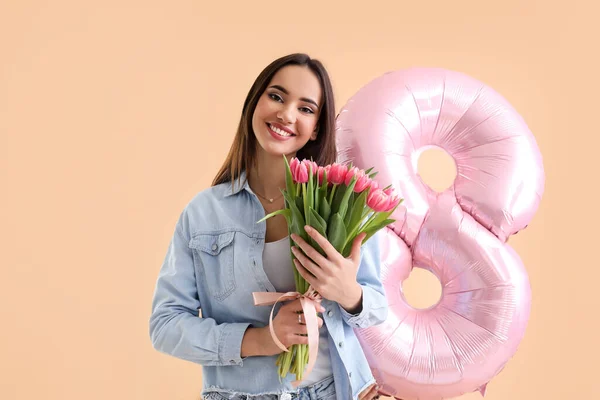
x,y
461,343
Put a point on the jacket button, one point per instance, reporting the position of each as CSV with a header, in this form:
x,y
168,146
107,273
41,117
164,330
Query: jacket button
x,y
214,247
341,344
349,374
329,313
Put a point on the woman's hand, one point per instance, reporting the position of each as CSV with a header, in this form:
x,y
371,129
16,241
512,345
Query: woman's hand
x,y
369,393
289,326
333,277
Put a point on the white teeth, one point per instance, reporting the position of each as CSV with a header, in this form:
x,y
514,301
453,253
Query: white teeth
x,y
279,131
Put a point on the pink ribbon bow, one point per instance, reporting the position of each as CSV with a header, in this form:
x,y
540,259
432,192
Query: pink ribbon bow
x,y
308,301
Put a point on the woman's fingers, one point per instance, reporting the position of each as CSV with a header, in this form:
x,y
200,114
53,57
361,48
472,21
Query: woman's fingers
x,y
292,322
370,393
293,305
302,320
301,339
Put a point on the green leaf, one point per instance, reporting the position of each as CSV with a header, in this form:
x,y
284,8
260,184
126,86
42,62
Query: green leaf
x,y
286,212
344,202
304,207
324,185
351,201
297,277
289,181
316,192
322,192
317,222
373,229
317,200
320,223
325,210
297,225
309,201
356,213
337,197
300,204
348,245
379,217
337,232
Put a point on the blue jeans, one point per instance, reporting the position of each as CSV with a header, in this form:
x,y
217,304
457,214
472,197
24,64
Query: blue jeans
x,y
322,390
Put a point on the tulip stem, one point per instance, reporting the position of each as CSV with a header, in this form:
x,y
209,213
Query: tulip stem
x,y
332,193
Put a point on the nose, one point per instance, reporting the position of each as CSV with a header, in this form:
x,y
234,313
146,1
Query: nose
x,y
286,114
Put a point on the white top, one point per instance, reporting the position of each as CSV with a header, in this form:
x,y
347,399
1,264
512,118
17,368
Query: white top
x,y
277,263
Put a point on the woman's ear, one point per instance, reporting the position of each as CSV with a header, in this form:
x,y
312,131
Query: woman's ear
x,y
314,134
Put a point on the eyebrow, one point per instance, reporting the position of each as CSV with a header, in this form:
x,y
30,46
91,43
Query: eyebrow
x,y
281,88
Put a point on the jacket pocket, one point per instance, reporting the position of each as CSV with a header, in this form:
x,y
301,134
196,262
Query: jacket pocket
x,y
213,257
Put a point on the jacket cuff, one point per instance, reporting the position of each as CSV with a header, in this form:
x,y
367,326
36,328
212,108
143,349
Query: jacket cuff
x,y
360,320
230,343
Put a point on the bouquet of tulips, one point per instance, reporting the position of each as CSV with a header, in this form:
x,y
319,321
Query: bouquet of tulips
x,y
340,202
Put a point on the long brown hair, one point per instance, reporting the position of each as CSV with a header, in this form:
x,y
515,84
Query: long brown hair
x,y
242,154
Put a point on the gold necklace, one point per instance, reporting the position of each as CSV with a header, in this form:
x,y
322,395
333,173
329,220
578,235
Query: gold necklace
x,y
269,200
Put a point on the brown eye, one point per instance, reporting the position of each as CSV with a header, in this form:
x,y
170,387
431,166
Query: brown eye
x,y
275,96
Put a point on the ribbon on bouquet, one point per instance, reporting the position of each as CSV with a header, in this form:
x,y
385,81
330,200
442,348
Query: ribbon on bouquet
x,y
308,301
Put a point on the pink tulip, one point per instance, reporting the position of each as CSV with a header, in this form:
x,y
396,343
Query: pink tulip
x,y
394,201
294,164
378,201
320,172
315,167
327,169
351,172
337,174
299,171
374,185
383,200
394,198
362,180
310,164
363,183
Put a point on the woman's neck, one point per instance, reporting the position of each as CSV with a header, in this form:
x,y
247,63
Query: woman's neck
x,y
268,177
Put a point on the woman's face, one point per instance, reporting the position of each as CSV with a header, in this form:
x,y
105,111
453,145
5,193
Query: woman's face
x,y
286,115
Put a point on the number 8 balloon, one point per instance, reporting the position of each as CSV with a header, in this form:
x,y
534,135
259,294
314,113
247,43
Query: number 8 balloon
x,y
462,342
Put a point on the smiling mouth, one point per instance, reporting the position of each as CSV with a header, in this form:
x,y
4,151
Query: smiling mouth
x,y
278,131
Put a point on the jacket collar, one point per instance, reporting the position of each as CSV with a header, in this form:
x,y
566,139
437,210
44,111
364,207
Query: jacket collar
x,y
238,185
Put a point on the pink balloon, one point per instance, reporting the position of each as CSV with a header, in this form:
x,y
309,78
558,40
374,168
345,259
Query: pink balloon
x,y
461,343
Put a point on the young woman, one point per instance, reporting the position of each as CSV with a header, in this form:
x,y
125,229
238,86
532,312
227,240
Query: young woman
x,y
219,256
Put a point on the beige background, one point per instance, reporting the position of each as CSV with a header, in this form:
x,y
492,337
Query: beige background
x,y
114,114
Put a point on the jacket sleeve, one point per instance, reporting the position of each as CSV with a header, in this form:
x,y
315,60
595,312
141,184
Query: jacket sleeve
x,y
175,327
374,302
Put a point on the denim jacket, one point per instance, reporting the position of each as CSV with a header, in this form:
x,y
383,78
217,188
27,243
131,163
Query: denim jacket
x,y
214,264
